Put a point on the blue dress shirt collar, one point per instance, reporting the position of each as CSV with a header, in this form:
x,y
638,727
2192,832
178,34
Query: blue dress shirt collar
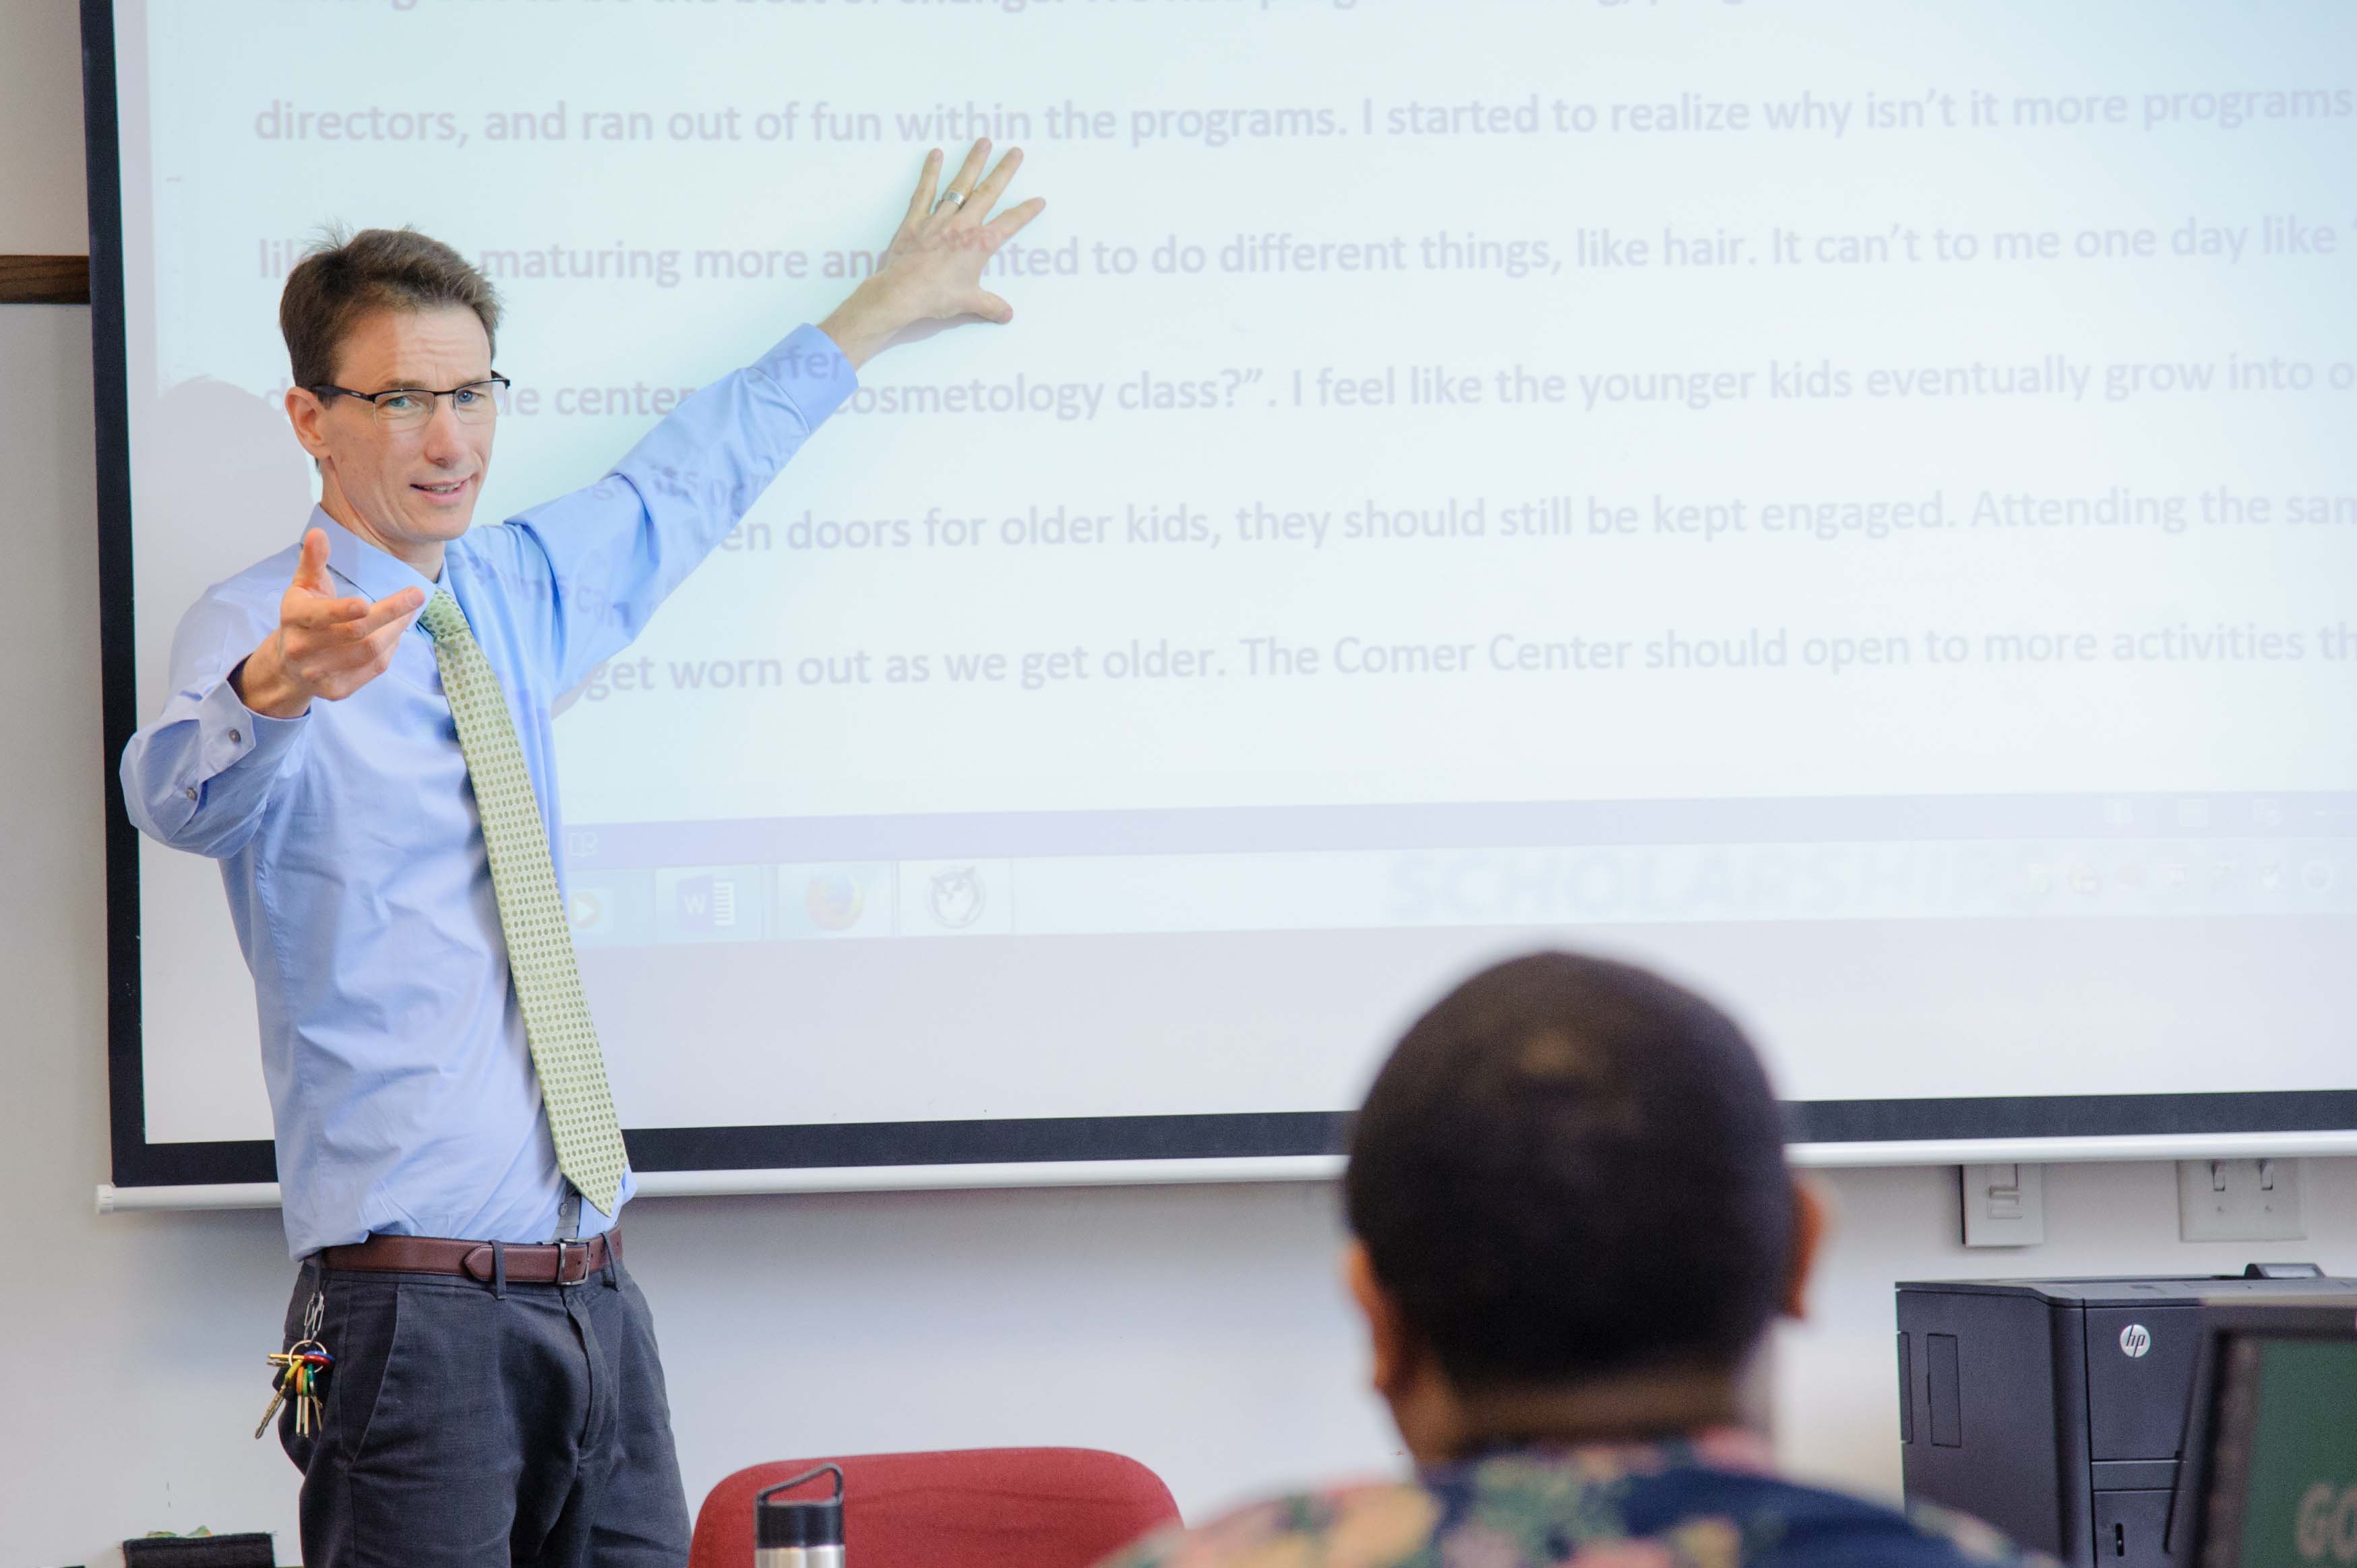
x,y
373,573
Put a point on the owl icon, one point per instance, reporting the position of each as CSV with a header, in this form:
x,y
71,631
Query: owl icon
x,y
957,898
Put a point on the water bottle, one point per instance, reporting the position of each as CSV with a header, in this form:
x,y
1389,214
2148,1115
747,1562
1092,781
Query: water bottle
x,y
798,1533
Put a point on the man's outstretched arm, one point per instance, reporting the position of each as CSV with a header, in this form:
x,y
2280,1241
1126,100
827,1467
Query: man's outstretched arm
x,y
613,552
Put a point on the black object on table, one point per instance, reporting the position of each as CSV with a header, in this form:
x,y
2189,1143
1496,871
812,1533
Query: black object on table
x,y
253,1550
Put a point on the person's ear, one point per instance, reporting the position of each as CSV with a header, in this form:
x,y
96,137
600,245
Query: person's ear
x,y
1387,1336
1811,1218
305,412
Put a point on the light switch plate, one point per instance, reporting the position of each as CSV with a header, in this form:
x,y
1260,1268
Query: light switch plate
x,y
2005,1206
2239,1200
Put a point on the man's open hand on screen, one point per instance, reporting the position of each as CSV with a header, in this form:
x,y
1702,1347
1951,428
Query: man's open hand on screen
x,y
932,271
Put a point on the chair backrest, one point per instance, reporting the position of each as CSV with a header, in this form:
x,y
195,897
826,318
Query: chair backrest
x,y
975,1507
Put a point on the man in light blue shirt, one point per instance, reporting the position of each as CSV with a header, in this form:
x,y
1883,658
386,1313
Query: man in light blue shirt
x,y
310,746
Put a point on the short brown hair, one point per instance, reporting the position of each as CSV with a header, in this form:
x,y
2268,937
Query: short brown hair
x,y
346,277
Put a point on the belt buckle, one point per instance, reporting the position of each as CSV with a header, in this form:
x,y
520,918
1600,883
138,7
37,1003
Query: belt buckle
x,y
560,1263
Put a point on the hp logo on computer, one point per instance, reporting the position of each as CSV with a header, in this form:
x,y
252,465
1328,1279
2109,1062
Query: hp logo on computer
x,y
2134,1340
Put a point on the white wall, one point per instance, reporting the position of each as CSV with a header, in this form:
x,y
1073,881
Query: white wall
x,y
42,211
1198,1329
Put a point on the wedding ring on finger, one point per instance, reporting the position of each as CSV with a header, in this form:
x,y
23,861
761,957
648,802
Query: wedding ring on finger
x,y
952,200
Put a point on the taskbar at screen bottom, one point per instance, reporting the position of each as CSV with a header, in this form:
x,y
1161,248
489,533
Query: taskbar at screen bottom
x,y
1374,889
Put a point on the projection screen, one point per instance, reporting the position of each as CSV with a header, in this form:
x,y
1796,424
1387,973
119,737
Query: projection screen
x,y
1851,503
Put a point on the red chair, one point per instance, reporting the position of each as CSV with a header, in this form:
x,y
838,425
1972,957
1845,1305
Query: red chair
x,y
976,1507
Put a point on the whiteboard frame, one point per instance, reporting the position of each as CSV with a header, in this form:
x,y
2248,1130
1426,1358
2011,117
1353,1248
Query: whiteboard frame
x,y
114,1199
1047,1152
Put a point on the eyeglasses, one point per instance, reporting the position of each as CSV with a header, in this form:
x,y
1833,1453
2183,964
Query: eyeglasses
x,y
409,408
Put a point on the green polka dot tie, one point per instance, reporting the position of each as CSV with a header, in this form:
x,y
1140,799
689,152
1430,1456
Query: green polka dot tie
x,y
540,945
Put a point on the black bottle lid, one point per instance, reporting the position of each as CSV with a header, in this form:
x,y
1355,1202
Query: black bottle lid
x,y
809,1522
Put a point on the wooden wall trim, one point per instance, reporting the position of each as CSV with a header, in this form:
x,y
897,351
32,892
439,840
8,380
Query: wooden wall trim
x,y
44,280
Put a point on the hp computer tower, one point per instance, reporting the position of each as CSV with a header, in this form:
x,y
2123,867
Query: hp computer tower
x,y
2056,1409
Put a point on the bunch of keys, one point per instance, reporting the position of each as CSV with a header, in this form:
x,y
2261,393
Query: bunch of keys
x,y
302,1377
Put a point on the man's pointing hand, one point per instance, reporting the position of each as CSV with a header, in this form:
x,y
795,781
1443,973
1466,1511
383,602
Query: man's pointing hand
x,y
326,646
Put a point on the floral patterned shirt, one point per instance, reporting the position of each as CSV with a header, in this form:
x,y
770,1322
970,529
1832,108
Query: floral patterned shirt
x,y
1711,1501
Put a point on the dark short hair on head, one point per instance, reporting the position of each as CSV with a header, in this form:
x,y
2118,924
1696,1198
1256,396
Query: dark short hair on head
x,y
346,277
1571,1167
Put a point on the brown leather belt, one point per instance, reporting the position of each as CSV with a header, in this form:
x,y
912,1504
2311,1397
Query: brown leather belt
x,y
527,1263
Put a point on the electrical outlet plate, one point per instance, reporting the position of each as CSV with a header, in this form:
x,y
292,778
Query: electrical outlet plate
x,y
2005,1206
2239,1200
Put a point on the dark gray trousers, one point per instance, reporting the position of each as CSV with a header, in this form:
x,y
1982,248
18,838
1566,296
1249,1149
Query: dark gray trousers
x,y
472,1425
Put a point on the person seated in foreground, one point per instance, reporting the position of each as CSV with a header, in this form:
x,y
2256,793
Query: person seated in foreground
x,y
1572,1225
